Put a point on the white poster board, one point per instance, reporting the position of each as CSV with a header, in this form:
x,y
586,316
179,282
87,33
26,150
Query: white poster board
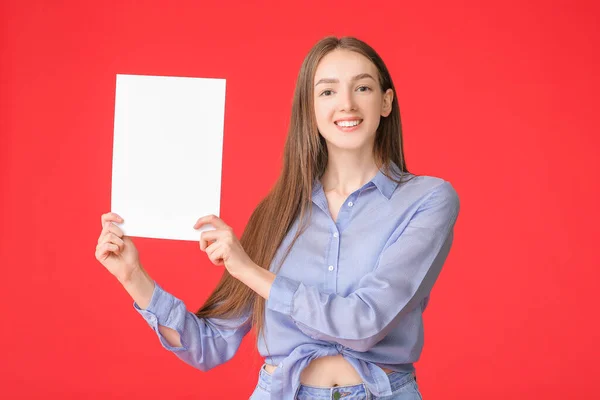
x,y
167,154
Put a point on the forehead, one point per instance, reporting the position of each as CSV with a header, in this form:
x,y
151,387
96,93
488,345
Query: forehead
x,y
343,65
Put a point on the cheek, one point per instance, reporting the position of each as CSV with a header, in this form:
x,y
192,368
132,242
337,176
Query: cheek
x,y
323,116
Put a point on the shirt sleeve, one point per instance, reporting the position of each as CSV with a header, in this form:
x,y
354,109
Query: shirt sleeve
x,y
207,342
404,276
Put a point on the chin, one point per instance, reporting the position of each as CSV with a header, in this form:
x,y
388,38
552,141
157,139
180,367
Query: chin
x,y
348,143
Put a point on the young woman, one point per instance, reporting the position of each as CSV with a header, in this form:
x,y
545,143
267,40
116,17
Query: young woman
x,y
336,264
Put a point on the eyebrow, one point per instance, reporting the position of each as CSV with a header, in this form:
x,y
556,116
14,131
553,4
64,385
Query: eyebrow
x,y
354,78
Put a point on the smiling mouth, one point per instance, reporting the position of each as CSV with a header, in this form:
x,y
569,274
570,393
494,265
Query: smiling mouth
x,y
348,124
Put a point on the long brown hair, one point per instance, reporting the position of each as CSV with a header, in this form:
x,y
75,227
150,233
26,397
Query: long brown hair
x,y
304,160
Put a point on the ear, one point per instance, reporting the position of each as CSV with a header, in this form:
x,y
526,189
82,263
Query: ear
x,y
386,107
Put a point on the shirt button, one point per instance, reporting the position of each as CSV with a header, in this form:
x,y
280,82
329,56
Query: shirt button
x,y
350,204
331,267
335,234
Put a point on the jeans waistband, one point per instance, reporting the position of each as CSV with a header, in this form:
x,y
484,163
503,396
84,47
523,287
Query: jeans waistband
x,y
397,379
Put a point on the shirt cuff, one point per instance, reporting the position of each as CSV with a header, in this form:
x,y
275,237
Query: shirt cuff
x,y
281,296
159,309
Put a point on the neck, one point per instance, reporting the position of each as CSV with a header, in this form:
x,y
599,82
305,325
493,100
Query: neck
x,y
346,172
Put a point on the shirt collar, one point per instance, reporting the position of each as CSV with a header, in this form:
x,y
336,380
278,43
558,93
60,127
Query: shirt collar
x,y
385,185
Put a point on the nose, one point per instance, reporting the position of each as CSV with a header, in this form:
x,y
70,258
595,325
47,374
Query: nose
x,y
346,101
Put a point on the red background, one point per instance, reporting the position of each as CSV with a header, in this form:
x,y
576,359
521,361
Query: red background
x,y
500,99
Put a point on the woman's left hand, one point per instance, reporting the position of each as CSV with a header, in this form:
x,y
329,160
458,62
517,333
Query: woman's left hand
x,y
225,248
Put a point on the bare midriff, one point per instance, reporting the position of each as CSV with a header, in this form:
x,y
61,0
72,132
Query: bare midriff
x,y
328,371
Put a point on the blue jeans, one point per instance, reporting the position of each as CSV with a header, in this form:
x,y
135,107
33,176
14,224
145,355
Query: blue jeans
x,y
404,387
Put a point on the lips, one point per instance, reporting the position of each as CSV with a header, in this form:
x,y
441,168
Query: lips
x,y
351,127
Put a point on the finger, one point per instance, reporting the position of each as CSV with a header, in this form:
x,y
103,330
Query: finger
x,y
209,236
114,239
110,228
115,229
110,237
212,219
105,231
215,253
108,224
103,250
111,217
212,248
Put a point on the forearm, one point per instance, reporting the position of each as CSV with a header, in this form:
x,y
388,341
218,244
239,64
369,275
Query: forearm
x,y
258,279
140,287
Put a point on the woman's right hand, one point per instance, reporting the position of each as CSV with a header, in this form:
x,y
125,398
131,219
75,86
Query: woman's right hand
x,y
116,251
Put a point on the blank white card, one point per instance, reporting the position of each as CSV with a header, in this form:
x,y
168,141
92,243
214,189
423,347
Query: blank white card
x,y
167,154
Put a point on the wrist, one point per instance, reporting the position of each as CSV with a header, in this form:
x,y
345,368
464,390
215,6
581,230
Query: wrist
x,y
242,273
135,274
140,286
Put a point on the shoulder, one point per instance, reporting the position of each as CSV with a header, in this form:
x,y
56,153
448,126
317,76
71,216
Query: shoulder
x,y
424,190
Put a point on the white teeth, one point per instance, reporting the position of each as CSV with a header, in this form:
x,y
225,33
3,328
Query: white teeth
x,y
348,123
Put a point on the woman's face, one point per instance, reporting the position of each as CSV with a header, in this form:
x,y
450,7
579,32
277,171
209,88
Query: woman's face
x,y
348,100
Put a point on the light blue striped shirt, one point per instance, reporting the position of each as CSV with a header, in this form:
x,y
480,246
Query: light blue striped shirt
x,y
356,286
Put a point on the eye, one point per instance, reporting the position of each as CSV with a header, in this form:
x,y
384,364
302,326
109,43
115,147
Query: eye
x,y
363,87
326,92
